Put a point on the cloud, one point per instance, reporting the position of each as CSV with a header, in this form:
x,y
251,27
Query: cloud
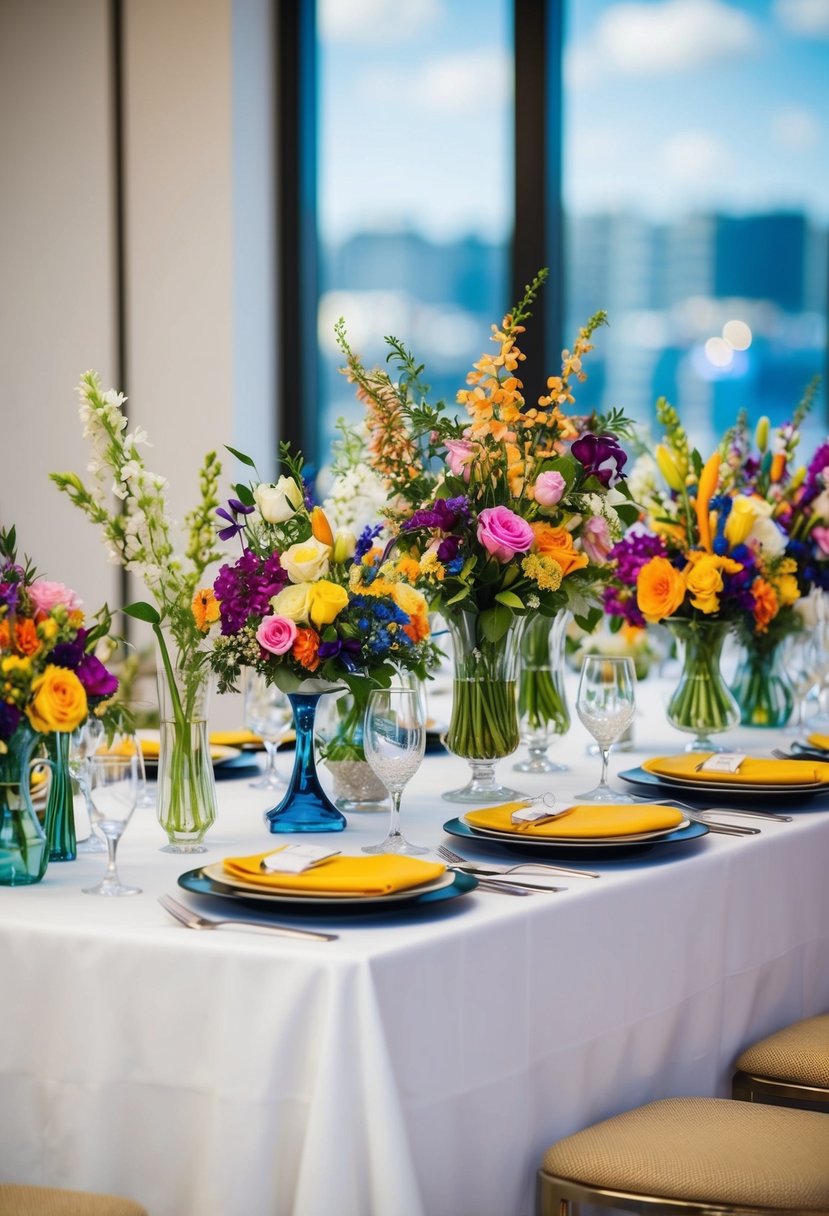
x,y
462,83
807,17
634,38
376,22
796,129
694,156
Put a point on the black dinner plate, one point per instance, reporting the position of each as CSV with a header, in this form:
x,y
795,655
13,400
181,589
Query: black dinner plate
x,y
721,792
602,850
198,883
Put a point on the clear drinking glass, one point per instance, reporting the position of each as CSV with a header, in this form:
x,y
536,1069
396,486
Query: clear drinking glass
x,y
268,714
113,788
802,661
606,703
83,744
394,739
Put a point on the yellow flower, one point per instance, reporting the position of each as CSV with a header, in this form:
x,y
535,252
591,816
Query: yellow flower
x,y
48,629
660,589
744,513
294,602
787,589
326,602
345,543
704,581
58,701
205,608
306,560
544,571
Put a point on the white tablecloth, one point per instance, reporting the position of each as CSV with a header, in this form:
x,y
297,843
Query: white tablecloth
x,y
417,1066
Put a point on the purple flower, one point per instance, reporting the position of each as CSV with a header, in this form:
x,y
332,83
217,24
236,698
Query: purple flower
x,y
633,552
245,588
448,548
444,514
70,654
95,678
348,652
11,578
9,720
601,456
365,540
814,483
234,528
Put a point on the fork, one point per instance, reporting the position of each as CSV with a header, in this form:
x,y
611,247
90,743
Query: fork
x,y
479,868
698,815
192,920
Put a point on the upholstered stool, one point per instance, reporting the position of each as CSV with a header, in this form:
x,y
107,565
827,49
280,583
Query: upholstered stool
x,y
49,1201
693,1155
790,1066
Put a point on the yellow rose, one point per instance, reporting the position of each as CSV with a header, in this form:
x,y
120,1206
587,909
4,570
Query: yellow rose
x,y
58,701
743,516
704,581
345,543
787,589
294,602
327,601
660,589
306,561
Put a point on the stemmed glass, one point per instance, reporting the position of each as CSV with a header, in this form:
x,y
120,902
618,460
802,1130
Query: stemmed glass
x,y
268,714
606,702
82,745
802,660
394,739
113,787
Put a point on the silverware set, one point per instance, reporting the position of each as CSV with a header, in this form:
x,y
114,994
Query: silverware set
x,y
703,815
192,920
491,875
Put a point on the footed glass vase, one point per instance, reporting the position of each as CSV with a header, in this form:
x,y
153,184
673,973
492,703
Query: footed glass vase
x,y
484,724
305,806
59,822
702,704
186,802
761,686
542,708
24,849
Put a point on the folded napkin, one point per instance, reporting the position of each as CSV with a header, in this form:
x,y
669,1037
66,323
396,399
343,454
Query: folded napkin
x,y
235,738
624,819
754,770
379,875
126,747
821,742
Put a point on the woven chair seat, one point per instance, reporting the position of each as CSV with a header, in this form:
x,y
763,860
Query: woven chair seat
x,y
18,1200
798,1053
703,1150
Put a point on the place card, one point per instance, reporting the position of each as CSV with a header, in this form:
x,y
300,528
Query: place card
x,y
297,858
723,762
533,813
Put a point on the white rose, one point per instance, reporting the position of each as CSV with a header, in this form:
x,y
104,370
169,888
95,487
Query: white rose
x,y
306,561
278,502
767,537
294,602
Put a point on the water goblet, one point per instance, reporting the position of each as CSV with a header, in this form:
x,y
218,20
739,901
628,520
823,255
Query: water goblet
x,y
606,703
113,787
82,745
802,662
394,739
268,714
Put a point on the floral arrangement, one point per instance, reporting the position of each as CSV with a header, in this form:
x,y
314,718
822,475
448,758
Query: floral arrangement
x,y
294,606
52,678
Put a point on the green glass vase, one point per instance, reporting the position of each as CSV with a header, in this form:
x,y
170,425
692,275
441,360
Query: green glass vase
x,y
702,704
761,687
24,849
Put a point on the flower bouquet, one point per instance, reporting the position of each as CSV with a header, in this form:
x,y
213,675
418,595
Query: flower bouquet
x,y
306,611
51,681
500,516
139,535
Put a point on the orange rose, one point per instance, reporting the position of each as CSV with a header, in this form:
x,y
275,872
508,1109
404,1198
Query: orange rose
x,y
660,589
305,648
25,636
557,543
766,605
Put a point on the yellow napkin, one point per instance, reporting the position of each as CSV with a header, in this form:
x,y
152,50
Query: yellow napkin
x,y
819,741
380,875
625,819
754,770
126,747
235,738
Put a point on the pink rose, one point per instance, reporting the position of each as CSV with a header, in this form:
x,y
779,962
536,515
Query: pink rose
x,y
47,596
461,453
276,634
595,540
821,535
503,533
549,488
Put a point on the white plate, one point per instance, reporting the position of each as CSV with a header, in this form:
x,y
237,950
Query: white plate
x,y
217,873
577,840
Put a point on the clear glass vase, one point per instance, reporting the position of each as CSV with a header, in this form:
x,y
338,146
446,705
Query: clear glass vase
x,y
542,708
305,807
24,849
702,704
484,724
59,823
339,727
761,685
186,801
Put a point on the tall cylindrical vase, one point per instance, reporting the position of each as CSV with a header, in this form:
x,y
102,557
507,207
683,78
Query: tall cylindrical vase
x,y
305,807
186,803
24,849
542,708
761,687
484,724
59,823
702,704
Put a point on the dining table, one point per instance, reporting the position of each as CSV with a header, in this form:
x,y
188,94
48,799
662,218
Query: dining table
x,y
421,1062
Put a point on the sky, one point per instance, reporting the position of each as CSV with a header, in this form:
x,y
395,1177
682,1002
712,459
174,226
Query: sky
x,y
670,106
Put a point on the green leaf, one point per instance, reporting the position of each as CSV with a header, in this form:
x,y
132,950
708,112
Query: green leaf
x,y
589,621
510,599
628,512
458,596
495,622
245,494
241,456
142,611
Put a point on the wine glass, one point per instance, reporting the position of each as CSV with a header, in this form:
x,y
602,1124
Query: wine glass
x,y
82,745
803,663
394,740
268,714
113,788
606,702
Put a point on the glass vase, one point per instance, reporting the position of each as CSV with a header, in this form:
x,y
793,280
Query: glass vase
x,y
305,806
542,708
339,726
59,822
702,704
761,685
24,849
186,797
484,724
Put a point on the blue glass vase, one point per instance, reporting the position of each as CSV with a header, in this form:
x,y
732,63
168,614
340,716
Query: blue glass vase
x,y
305,806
